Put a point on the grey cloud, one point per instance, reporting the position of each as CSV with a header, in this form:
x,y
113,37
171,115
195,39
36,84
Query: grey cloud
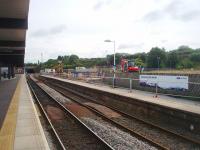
x,y
153,16
129,46
190,15
101,3
98,5
57,29
176,9
51,31
174,6
164,41
39,33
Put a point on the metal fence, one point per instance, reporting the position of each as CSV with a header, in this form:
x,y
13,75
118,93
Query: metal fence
x,y
132,84
193,91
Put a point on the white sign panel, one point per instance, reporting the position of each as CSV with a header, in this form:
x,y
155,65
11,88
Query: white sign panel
x,y
165,82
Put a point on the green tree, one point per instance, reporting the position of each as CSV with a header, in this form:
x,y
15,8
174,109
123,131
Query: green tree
x,y
156,57
66,61
185,63
139,62
110,59
172,59
195,57
74,60
60,58
184,48
50,63
183,52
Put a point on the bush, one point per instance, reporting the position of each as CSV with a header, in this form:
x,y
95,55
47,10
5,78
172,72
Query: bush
x,y
186,63
195,57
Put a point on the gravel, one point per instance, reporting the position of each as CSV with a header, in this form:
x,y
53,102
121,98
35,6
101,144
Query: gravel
x,y
115,137
54,93
48,134
118,139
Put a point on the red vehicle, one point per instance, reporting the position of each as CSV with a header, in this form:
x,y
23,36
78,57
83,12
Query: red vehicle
x,y
128,66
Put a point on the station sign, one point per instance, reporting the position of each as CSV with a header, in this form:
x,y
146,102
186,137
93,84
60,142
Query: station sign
x,y
165,81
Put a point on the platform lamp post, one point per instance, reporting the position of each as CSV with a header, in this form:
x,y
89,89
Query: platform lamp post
x,y
59,64
41,64
114,69
158,61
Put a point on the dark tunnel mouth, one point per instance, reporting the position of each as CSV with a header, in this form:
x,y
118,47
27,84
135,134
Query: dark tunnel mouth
x,y
30,71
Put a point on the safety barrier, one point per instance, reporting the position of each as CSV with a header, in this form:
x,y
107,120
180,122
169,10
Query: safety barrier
x,y
132,84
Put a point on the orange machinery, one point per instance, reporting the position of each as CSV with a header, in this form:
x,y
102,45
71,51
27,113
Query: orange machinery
x,y
128,66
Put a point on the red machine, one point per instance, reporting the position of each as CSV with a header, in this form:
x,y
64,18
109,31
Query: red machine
x,y
128,66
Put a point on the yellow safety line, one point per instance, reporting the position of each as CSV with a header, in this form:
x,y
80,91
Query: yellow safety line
x,y
7,132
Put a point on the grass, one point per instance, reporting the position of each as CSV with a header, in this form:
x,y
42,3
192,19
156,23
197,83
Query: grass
x,y
183,71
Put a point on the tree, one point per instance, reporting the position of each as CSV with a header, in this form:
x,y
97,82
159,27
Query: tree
x,y
156,58
195,57
184,48
139,62
60,58
184,52
142,56
185,63
74,60
66,59
172,59
50,63
182,57
110,59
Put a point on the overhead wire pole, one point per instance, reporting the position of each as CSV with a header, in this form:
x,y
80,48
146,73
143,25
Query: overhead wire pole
x,y
114,76
114,63
41,61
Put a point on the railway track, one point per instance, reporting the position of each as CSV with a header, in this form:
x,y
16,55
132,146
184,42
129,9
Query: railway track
x,y
71,132
113,122
166,139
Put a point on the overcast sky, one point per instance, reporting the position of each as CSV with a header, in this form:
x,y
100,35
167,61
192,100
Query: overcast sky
x,y
64,27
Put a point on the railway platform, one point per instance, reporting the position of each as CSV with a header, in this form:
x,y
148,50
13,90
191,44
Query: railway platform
x,y
166,101
20,127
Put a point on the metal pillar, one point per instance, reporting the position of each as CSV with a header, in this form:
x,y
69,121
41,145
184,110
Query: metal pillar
x,y
114,76
12,72
130,85
0,73
9,71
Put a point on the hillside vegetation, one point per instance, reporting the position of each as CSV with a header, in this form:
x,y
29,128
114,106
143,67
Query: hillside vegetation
x,y
183,57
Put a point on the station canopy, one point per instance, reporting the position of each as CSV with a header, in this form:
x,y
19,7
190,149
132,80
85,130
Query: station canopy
x,y
13,26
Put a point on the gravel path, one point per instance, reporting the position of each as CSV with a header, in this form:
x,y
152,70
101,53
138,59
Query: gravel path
x,y
155,134
54,93
72,134
118,139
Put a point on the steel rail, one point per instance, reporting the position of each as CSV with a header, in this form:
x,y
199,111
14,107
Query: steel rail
x,y
77,119
133,117
138,135
45,115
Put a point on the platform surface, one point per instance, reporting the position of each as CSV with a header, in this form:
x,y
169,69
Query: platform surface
x,y
7,89
21,129
176,103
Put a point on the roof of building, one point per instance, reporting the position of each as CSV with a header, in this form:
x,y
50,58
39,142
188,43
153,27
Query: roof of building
x,y
13,26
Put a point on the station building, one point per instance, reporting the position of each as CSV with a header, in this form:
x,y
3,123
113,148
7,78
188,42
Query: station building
x,y
13,27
